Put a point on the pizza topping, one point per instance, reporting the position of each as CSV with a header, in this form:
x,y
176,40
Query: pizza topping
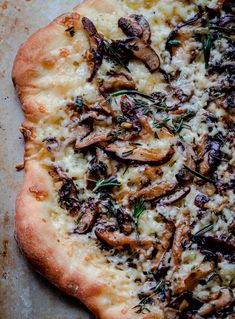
x,y
136,26
145,53
87,218
115,82
140,155
173,198
155,191
96,47
113,238
125,221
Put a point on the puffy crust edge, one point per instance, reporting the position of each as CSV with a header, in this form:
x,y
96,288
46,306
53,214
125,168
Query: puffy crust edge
x,y
34,235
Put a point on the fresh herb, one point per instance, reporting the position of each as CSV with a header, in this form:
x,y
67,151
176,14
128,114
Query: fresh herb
x,y
179,122
103,184
162,123
115,133
71,31
205,178
131,92
127,153
115,56
139,208
174,43
204,230
141,307
207,42
79,102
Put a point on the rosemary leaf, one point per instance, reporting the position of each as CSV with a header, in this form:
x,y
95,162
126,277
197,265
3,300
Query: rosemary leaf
x,y
139,208
131,92
205,178
204,230
207,42
106,183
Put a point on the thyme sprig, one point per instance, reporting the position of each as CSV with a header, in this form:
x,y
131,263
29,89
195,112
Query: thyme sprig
x,y
141,307
103,184
115,56
196,173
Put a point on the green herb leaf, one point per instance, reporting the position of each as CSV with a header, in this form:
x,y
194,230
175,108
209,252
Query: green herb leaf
x,y
204,230
174,43
115,56
115,133
131,92
103,184
162,123
139,208
141,307
205,178
207,42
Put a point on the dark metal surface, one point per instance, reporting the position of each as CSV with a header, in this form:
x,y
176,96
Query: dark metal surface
x,y
23,294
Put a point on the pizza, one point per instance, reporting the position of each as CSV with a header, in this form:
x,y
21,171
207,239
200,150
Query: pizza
x,y
128,198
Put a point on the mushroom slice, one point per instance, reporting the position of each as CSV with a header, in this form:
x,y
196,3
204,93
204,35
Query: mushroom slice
x,y
116,82
165,242
181,236
198,273
145,27
96,47
226,297
190,157
136,26
210,159
125,221
173,198
155,191
140,155
190,281
176,30
130,27
87,219
114,239
93,139
145,53
215,245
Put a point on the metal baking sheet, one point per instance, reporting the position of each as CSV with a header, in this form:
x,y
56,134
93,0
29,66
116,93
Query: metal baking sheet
x,y
23,293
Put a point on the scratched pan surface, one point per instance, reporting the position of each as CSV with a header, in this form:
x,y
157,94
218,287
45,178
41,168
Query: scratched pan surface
x,y
23,293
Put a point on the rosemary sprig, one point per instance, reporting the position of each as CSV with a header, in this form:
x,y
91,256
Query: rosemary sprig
x,y
105,183
139,208
196,173
204,230
162,123
174,43
116,57
131,92
207,43
115,133
141,307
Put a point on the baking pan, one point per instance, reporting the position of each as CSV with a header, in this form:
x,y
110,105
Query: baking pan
x,y
23,293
